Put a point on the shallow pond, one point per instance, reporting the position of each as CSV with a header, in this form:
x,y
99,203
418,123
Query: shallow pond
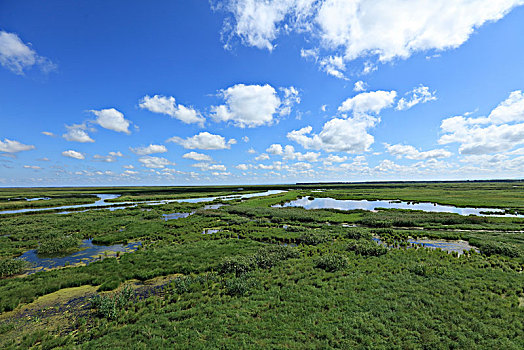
x,y
348,204
174,216
448,246
89,253
121,205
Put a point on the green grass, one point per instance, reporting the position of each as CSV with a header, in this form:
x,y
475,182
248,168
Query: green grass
x,y
276,277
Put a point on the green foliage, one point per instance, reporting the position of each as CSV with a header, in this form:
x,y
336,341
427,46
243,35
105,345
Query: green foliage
x,y
332,262
366,248
239,285
491,248
313,238
10,267
56,244
110,306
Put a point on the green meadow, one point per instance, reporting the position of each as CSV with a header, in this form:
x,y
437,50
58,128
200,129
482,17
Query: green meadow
x,y
245,274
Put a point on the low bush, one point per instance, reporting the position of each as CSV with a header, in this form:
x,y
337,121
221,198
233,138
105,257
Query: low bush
x,y
332,262
57,244
10,267
367,248
239,286
110,306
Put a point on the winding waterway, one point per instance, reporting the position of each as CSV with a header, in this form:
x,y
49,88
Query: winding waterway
x,y
348,204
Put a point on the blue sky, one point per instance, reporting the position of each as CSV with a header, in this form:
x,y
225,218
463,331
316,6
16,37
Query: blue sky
x,y
251,91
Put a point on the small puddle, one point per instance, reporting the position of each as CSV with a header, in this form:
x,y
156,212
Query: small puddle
x,y
89,253
174,216
331,203
449,246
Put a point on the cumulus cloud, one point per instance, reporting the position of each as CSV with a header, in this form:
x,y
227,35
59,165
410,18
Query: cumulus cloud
x,y
337,135
197,156
203,140
212,167
167,105
360,86
48,133
348,134
288,153
143,151
34,167
77,133
73,154
263,156
112,119
242,167
383,29
253,105
501,131
12,146
111,157
369,102
411,152
154,162
420,94
17,56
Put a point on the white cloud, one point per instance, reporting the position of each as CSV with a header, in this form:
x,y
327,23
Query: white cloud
x,y
129,172
420,94
111,157
334,66
197,156
207,166
48,133
34,167
360,86
242,167
263,156
335,159
245,138
253,105
203,140
337,135
288,153
112,119
501,131
411,152
383,29
167,105
154,162
143,151
510,110
11,146
77,133
17,56
73,154
128,166
369,102
251,151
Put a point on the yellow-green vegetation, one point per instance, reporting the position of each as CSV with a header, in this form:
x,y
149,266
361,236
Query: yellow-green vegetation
x,y
272,277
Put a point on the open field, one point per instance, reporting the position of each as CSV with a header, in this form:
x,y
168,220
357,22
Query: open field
x,y
249,275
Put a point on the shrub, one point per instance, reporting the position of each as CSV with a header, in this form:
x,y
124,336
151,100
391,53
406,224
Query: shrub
x,y
332,262
268,257
367,248
310,238
238,266
490,248
238,285
10,267
58,244
110,306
